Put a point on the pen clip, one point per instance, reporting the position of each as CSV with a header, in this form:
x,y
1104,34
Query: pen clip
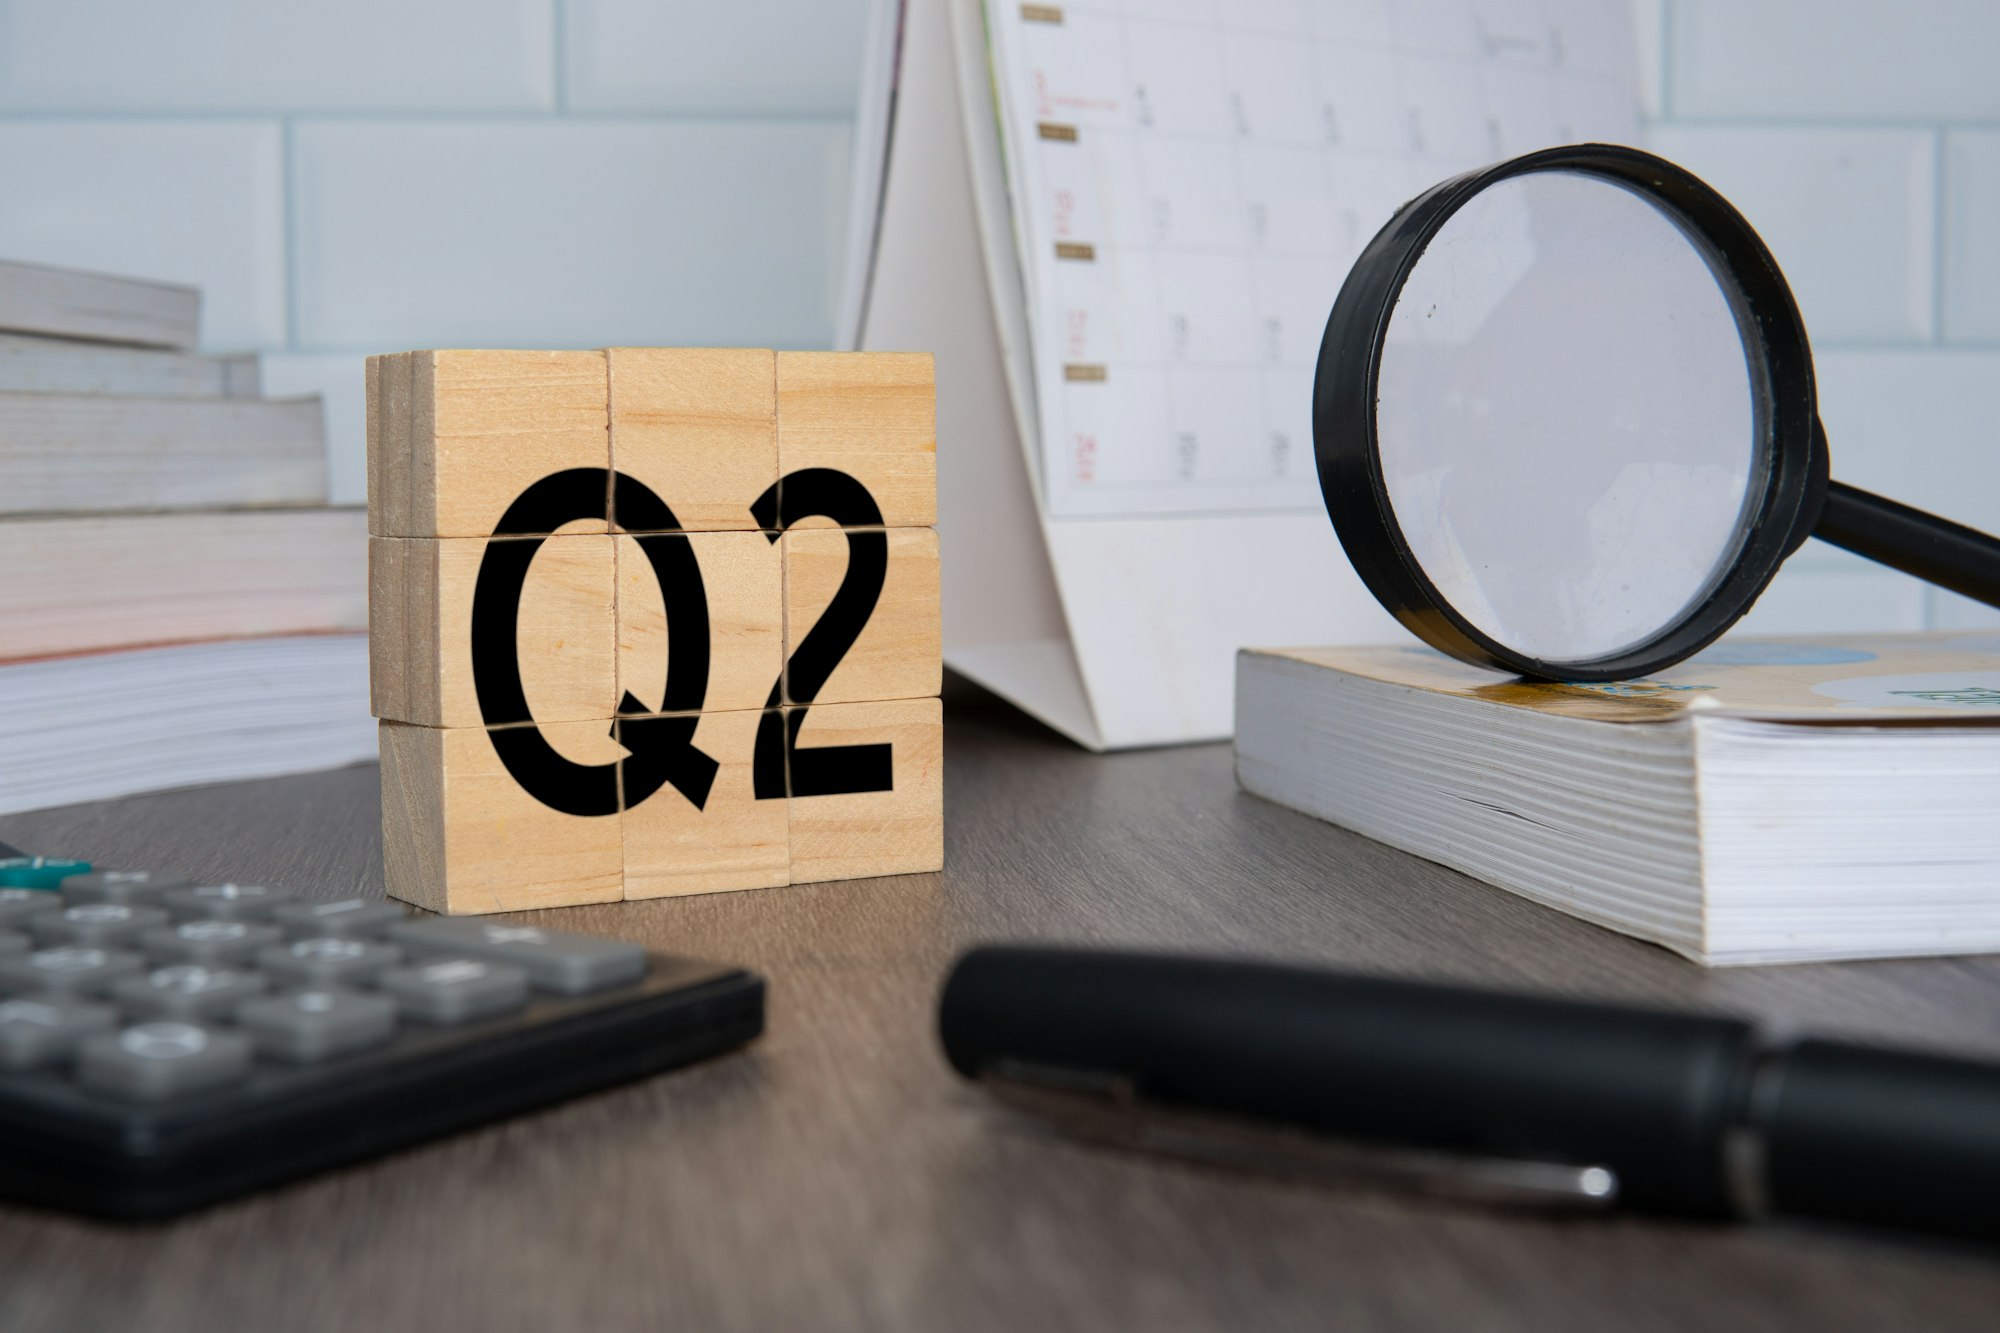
x,y
1106,1110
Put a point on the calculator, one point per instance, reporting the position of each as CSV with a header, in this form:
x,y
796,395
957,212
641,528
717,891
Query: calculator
x,y
167,1044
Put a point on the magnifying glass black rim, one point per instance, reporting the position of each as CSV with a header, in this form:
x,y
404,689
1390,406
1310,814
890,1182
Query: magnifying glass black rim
x,y
1347,447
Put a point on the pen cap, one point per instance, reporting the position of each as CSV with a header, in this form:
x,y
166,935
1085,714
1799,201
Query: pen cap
x,y
1649,1095
1888,1138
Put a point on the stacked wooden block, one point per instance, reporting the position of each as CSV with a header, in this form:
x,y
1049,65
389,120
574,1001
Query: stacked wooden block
x,y
652,621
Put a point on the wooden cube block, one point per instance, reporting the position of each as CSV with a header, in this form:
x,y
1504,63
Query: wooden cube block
x,y
897,828
652,621
739,592
734,840
421,633
861,615
698,427
460,436
872,415
461,834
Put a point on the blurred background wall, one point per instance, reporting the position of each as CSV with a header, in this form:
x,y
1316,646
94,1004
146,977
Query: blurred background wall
x,y
1862,137
348,176
343,177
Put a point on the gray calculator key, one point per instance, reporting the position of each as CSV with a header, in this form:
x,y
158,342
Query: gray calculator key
x,y
317,1024
39,1030
215,943
13,944
73,969
17,905
99,925
556,960
163,1059
227,902
357,917
188,990
456,990
134,888
328,960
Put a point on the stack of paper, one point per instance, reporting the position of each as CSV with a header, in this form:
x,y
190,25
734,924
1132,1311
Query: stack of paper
x,y
150,497
1768,801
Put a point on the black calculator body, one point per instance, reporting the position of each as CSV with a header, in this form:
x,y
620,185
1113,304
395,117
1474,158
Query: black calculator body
x,y
164,1046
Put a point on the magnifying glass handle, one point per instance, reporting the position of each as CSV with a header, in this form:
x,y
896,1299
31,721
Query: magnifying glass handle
x,y
1934,549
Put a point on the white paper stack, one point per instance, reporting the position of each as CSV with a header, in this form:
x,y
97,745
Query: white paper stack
x,y
1767,801
149,497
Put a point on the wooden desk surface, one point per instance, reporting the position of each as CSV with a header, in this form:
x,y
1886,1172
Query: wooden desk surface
x,y
837,1175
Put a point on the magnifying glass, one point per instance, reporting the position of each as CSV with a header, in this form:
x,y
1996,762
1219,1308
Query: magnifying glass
x,y
1566,425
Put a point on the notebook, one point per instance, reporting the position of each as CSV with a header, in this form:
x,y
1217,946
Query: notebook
x,y
1120,227
108,724
1769,800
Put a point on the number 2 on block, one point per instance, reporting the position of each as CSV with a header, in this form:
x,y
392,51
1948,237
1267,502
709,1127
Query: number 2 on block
x,y
829,770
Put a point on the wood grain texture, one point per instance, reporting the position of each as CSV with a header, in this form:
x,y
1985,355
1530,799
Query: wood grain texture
x,y
699,427
837,1176
480,427
742,575
420,629
735,841
82,582
87,453
872,415
460,835
860,834
58,365
66,303
900,651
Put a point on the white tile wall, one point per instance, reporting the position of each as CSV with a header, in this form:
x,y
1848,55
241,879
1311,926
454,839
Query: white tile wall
x,y
759,56
1838,60
199,202
1823,590
339,378
378,174
568,233
1922,427
1850,215
275,55
1972,234
1859,137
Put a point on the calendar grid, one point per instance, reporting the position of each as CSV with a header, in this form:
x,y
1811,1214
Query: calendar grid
x,y
1211,171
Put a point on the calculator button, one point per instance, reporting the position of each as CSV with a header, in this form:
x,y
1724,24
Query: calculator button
x,y
17,905
328,960
38,872
227,902
555,960
134,888
212,942
100,925
188,990
317,1024
13,944
74,969
348,916
456,990
43,1029
160,1060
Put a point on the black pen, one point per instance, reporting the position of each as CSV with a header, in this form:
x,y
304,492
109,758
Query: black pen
x,y
1478,1093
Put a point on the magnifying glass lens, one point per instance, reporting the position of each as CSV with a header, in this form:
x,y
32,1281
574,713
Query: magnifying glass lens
x,y
1568,420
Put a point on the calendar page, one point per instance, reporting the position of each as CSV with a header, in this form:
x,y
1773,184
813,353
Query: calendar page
x,y
1191,180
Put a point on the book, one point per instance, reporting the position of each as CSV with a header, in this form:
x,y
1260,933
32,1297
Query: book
x,y
1120,230
92,453
94,727
66,303
77,583
30,364
1769,800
